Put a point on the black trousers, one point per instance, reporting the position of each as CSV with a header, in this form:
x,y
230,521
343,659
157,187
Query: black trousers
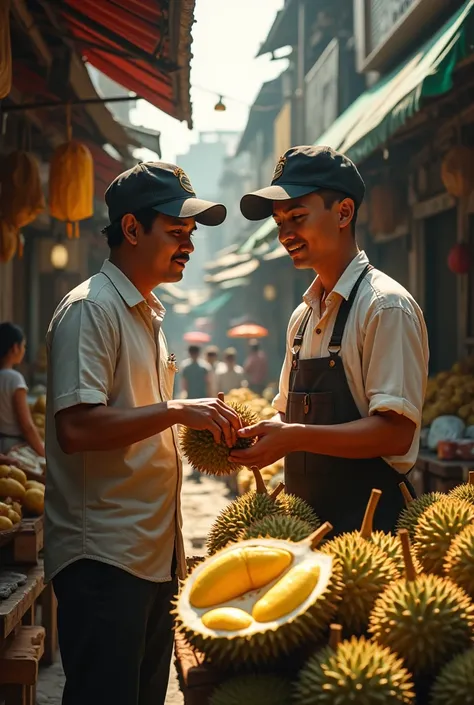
x,y
115,635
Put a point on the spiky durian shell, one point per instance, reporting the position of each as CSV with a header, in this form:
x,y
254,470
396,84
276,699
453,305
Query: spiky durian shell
x,y
392,547
426,621
463,492
207,456
237,516
357,671
278,526
297,507
366,572
409,516
435,530
455,683
252,690
459,561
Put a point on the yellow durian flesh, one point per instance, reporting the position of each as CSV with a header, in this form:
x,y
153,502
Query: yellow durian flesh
x,y
236,572
292,590
227,618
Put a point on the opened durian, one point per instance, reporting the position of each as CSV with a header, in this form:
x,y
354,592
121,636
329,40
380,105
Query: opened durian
x,y
459,562
297,507
278,526
435,530
242,513
455,683
205,455
354,671
259,599
464,491
409,516
423,618
253,690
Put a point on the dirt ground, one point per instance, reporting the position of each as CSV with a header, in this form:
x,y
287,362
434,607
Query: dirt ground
x,y
201,503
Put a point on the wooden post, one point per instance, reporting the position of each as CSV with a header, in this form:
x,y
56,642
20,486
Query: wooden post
x,y
49,610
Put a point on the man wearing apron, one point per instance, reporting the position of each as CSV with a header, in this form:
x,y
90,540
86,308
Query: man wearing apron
x,y
354,376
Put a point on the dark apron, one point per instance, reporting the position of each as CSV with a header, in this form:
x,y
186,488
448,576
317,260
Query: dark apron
x,y
338,489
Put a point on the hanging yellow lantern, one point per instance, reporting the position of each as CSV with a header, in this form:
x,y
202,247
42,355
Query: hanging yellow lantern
x,y
21,198
71,182
8,241
457,171
5,50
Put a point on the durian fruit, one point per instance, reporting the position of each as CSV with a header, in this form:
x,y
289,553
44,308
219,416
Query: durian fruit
x,y
423,618
459,562
240,514
435,530
207,456
262,689
409,516
297,507
455,683
354,671
258,600
464,491
278,526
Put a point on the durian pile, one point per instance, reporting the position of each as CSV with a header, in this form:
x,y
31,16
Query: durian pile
x,y
18,495
272,475
38,411
258,405
451,393
289,614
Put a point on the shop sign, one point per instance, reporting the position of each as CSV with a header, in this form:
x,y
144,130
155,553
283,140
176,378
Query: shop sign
x,y
384,15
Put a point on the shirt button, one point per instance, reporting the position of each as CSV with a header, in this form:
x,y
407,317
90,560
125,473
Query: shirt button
x,y
318,331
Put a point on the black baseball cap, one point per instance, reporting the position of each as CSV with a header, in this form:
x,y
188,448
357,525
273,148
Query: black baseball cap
x,y
163,187
303,170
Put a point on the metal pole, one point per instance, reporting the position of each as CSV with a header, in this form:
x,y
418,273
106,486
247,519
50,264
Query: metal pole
x,y
57,104
300,74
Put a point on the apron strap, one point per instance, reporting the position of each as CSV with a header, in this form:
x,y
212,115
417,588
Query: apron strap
x,y
343,314
298,341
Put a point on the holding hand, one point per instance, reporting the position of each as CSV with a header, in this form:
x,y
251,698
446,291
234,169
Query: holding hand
x,y
208,415
275,440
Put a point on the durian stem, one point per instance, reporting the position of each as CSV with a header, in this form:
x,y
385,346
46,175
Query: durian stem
x,y
471,477
406,493
368,522
261,488
279,488
335,636
410,570
317,536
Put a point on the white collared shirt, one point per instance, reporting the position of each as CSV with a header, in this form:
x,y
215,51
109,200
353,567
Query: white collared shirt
x,y
384,347
106,346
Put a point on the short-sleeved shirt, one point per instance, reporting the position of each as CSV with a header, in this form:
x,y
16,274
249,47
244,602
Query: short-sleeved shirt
x,y
229,377
10,382
197,374
106,346
384,347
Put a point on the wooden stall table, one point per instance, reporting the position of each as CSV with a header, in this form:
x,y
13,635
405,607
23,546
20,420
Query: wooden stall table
x,y
440,475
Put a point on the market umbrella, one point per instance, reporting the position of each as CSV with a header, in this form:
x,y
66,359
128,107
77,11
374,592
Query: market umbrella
x,y
196,336
248,330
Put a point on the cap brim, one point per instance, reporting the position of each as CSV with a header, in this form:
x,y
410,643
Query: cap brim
x,y
259,204
204,212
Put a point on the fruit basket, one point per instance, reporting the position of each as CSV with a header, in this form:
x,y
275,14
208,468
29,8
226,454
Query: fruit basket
x,y
7,534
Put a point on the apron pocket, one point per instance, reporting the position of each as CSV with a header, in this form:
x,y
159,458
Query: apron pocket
x,y
316,408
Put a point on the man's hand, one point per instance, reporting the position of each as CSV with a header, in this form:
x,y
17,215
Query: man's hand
x,y
208,415
274,442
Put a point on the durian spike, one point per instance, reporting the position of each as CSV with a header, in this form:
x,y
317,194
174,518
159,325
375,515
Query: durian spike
x,y
471,477
368,521
410,570
279,488
317,536
335,636
406,493
260,484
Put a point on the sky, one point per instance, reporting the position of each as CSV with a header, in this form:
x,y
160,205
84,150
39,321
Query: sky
x,y
226,38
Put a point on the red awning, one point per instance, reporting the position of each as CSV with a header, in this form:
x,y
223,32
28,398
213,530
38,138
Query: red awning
x,y
128,40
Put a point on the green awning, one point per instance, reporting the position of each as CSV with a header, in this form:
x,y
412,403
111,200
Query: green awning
x,y
383,109
379,112
210,307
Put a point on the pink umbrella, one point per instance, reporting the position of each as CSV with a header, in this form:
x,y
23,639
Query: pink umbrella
x,y
196,336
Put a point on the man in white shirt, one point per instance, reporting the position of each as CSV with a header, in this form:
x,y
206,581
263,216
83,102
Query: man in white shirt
x,y
230,375
113,544
354,376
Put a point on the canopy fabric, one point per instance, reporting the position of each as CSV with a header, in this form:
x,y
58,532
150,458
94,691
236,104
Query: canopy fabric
x,y
139,45
209,308
383,109
240,270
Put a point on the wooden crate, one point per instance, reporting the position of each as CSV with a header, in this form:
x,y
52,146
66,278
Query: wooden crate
x,y
28,540
197,679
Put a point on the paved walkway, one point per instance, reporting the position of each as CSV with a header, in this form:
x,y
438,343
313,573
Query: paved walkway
x,y
201,503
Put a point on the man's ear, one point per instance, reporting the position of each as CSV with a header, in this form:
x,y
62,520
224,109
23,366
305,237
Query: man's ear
x,y
346,212
129,228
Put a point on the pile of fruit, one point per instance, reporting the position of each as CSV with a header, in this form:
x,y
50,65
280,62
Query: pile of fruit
x,y
18,496
272,475
451,393
258,405
38,411
289,614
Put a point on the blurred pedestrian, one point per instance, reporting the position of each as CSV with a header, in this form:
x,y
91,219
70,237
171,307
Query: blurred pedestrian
x,y
256,367
229,375
196,375
212,357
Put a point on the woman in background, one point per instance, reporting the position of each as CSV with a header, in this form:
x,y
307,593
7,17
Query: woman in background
x,y
16,424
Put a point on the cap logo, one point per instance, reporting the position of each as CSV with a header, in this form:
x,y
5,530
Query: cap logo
x,y
183,178
279,169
